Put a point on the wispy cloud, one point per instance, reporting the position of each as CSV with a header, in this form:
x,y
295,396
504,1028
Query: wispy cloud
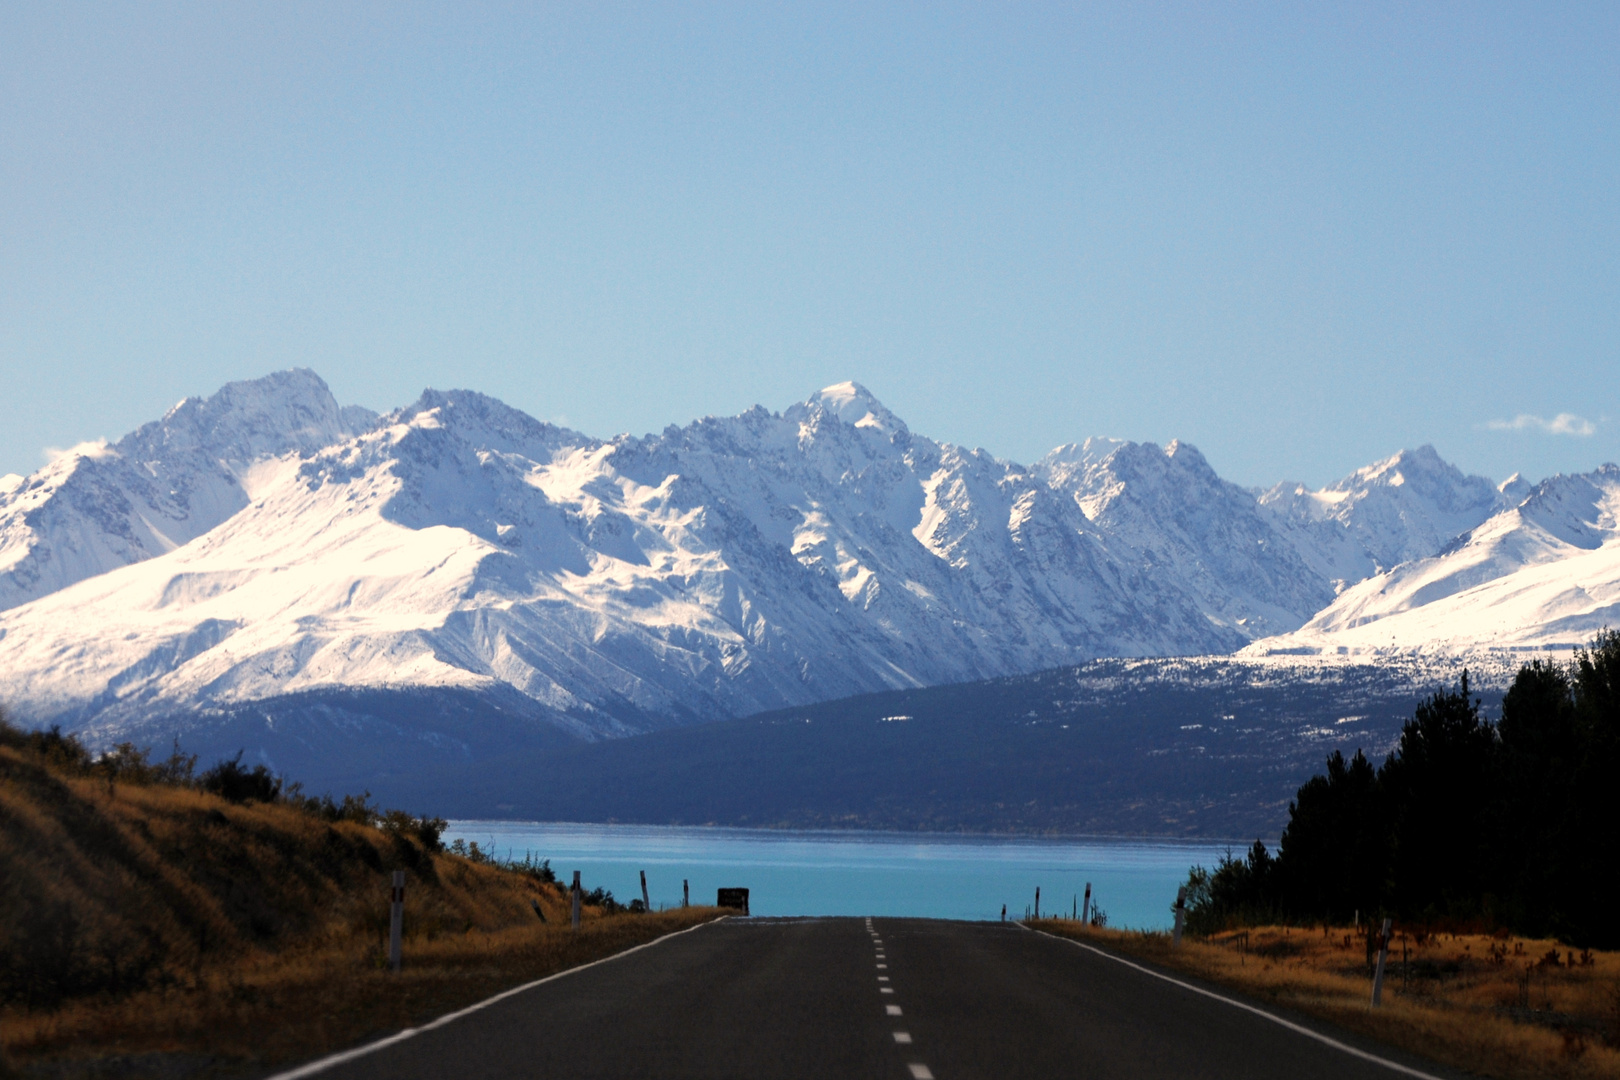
x,y
1562,424
93,448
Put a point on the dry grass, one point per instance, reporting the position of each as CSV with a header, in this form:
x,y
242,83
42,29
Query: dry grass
x,y
1496,1006
271,1010
224,938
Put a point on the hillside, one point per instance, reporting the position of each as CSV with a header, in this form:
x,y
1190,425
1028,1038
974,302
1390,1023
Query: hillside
x,y
145,916
1199,748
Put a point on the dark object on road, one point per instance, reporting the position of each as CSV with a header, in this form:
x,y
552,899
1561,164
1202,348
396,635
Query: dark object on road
x,y
733,898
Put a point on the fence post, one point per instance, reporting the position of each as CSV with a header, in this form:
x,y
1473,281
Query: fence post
x,y
686,893
1037,902
1378,973
1085,909
576,899
396,921
1003,912
646,904
1181,912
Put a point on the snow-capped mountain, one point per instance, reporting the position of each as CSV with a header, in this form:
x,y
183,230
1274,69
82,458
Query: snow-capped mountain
x,y
1405,507
721,568
98,507
265,546
1543,574
1177,520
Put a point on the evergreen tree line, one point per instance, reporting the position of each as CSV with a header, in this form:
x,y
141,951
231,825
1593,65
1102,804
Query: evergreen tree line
x,y
1511,825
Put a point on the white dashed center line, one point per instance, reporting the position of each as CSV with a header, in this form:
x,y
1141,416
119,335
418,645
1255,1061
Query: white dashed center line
x,y
883,967
903,1037
884,990
883,978
892,1010
920,1071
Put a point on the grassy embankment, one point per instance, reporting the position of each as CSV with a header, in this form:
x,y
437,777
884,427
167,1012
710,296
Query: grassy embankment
x,y
198,936
1496,1006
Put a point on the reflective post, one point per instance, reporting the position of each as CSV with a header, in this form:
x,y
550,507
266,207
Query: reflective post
x,y
1378,973
396,921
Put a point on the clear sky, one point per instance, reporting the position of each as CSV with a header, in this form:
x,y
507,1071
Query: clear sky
x,y
1300,236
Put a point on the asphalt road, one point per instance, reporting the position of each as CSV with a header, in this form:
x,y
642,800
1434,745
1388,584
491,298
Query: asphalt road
x,y
847,998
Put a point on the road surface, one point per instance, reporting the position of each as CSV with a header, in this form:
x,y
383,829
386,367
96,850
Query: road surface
x,y
758,999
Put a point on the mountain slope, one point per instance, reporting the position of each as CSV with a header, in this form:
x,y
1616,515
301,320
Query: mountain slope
x,y
1408,506
1180,521
99,507
1543,574
1212,747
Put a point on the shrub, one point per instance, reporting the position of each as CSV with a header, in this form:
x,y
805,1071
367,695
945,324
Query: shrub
x,y
231,781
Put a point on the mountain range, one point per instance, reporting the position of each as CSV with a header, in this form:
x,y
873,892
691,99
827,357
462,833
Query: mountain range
x,y
267,557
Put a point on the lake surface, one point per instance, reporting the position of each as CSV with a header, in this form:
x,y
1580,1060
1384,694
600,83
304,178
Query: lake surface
x,y
859,873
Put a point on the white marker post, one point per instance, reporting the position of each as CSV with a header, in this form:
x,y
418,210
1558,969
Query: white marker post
x,y
646,904
1378,972
576,899
396,921
1085,908
1181,912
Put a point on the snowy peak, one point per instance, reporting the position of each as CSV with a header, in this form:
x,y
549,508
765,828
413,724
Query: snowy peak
x,y
1407,506
1542,574
1582,511
852,404
170,481
1514,489
245,421
1168,510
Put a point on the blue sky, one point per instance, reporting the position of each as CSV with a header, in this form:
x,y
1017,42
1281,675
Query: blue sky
x,y
1299,236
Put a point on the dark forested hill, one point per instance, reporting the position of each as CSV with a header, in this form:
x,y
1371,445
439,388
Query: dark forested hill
x,y
1166,747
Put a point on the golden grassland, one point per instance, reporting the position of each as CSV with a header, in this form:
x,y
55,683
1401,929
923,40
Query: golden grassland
x,y
1495,1005
168,928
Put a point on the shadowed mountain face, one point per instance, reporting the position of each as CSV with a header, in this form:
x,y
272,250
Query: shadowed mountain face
x,y
266,553
1203,747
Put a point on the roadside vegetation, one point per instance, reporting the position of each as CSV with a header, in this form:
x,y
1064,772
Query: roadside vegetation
x,y
157,919
1508,826
1492,1004
1485,845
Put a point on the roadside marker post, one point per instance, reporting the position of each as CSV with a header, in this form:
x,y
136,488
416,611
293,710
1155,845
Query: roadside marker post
x,y
646,904
576,899
1003,912
686,893
1085,908
1378,973
1037,901
396,921
1181,912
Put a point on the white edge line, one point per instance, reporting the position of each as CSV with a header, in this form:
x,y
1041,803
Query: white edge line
x,y
322,1064
1273,1017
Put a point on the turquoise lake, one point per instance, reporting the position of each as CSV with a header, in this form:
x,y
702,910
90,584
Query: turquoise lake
x,y
933,875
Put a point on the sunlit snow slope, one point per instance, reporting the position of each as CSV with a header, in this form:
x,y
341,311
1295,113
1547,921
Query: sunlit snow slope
x,y
1542,575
